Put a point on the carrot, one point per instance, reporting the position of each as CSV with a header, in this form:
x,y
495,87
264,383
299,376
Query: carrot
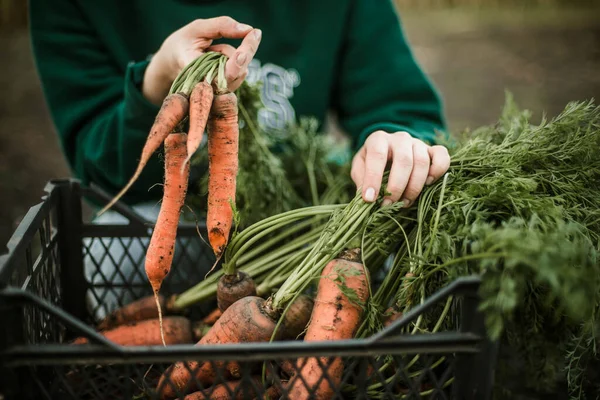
x,y
231,288
146,333
248,320
334,317
223,147
297,317
172,111
212,317
162,244
200,103
233,390
139,310
272,393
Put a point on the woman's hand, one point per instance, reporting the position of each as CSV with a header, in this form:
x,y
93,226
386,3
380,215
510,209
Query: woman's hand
x,y
414,165
189,42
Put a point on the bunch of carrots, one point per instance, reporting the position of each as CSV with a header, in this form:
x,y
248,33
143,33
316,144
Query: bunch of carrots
x,y
199,100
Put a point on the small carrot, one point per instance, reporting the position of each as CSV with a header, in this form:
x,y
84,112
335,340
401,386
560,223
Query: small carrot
x,y
212,317
139,310
334,317
162,244
200,104
297,317
231,288
172,111
223,148
248,320
177,330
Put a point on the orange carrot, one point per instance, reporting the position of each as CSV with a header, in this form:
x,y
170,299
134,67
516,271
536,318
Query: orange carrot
x,y
162,244
139,310
172,111
223,147
200,103
297,317
212,317
334,317
231,288
248,320
146,333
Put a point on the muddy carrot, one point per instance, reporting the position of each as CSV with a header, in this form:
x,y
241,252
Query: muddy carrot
x,y
247,320
335,316
233,287
297,317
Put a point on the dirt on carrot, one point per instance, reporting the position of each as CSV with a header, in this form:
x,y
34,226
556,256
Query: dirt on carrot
x,y
297,317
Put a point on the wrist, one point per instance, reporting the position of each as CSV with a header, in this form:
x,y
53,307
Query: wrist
x,y
157,80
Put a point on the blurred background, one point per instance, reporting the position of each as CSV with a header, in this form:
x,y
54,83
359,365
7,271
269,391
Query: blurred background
x,y
546,52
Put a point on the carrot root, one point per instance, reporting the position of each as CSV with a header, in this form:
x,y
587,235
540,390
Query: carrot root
x,y
172,111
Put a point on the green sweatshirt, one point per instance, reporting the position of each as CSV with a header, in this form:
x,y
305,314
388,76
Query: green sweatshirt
x,y
346,56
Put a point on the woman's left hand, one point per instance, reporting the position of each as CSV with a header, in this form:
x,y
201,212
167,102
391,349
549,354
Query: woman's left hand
x,y
414,164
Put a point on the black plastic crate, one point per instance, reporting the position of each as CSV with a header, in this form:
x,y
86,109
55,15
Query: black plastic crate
x,y
49,270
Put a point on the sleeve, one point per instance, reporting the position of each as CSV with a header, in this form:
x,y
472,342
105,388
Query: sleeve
x,y
381,86
101,117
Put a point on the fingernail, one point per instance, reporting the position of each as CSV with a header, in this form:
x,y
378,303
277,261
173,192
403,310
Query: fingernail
x,y
407,203
257,34
370,194
429,180
243,27
386,202
241,59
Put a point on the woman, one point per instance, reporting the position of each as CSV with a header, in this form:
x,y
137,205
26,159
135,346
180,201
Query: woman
x,y
106,66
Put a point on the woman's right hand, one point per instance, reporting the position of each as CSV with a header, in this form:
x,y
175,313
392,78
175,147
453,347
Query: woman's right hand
x,y
186,44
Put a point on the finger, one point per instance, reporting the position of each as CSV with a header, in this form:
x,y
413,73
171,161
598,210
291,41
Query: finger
x,y
420,170
219,27
376,157
440,162
357,171
226,49
402,166
238,62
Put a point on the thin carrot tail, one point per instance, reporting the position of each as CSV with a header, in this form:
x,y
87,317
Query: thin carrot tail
x,y
160,319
